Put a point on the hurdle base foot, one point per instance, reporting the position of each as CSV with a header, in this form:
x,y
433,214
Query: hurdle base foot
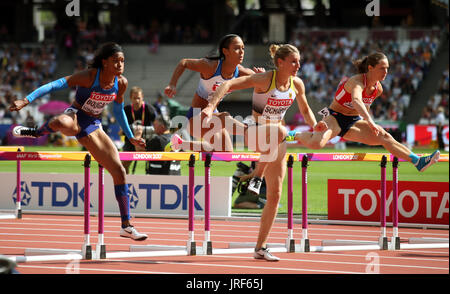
x,y
191,248
304,245
383,242
101,251
207,247
19,214
290,245
86,251
395,243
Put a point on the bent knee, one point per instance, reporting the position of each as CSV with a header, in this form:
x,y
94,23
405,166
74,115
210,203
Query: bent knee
x,y
64,123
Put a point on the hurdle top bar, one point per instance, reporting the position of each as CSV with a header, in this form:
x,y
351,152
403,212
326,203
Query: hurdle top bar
x,y
12,148
239,156
251,156
186,156
355,157
80,156
158,156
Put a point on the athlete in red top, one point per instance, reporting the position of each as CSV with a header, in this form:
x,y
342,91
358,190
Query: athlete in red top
x,y
348,115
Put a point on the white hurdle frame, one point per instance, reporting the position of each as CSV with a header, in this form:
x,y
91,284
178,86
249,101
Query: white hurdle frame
x,y
44,254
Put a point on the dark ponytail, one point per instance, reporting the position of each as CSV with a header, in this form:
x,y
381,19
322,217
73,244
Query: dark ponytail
x,y
362,65
223,43
104,52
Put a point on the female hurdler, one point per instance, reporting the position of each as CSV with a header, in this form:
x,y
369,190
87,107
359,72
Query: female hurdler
x,y
348,115
97,86
274,92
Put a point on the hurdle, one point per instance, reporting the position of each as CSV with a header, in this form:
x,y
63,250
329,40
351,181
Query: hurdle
x,y
166,250
86,251
413,243
304,245
56,254
206,248
248,247
383,243
290,241
18,209
395,241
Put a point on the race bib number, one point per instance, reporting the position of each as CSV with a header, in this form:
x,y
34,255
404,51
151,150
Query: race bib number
x,y
276,108
324,112
97,102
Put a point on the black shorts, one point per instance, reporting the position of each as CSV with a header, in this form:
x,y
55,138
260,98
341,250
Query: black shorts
x,y
345,122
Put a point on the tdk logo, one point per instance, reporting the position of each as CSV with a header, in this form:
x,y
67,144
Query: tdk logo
x,y
71,194
25,195
62,193
166,190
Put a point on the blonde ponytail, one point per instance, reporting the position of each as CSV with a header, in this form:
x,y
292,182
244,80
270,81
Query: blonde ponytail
x,y
281,51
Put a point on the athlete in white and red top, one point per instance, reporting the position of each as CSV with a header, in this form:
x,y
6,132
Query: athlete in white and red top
x,y
349,116
214,70
344,98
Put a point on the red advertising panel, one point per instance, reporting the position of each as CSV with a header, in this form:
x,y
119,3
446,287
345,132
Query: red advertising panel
x,y
359,200
423,135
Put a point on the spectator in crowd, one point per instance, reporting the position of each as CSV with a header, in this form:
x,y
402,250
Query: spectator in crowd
x,y
440,122
161,106
158,142
23,69
327,59
138,114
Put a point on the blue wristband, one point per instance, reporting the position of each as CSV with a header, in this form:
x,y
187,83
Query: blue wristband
x,y
292,133
47,88
121,118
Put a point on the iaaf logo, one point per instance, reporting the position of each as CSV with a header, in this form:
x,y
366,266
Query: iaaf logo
x,y
37,156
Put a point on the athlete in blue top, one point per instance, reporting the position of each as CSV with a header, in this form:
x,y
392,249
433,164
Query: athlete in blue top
x,y
213,72
97,86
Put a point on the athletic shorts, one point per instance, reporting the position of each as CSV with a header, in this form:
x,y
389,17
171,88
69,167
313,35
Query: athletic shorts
x,y
87,123
345,122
